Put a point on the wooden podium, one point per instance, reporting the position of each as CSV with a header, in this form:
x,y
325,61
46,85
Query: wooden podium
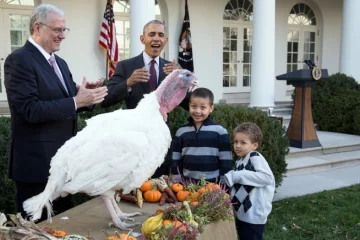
x,y
301,131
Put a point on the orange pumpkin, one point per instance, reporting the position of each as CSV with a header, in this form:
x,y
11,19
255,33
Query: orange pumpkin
x,y
177,187
180,225
152,196
167,221
202,190
58,234
182,195
123,237
146,186
213,186
194,204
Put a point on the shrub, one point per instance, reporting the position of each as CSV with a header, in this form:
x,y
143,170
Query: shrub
x,y
335,104
275,144
274,147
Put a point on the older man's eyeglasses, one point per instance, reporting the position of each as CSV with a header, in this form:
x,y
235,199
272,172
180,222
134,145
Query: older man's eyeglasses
x,y
57,30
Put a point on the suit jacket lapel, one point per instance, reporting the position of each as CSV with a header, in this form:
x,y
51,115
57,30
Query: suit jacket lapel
x,y
162,74
139,63
45,64
67,81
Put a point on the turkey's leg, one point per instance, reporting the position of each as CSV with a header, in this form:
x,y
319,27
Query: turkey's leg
x,y
120,214
116,220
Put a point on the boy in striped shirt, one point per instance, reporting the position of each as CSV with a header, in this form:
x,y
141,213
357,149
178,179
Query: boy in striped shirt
x,y
201,147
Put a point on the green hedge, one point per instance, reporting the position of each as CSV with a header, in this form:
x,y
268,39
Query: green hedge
x,y
336,104
274,148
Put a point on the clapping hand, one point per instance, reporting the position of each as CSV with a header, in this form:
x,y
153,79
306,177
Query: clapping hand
x,y
169,67
89,94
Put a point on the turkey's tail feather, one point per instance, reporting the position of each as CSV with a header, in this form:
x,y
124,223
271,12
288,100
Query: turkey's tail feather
x,y
34,206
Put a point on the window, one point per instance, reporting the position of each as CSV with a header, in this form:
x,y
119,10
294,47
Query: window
x,y
302,14
238,10
122,23
302,37
19,2
19,30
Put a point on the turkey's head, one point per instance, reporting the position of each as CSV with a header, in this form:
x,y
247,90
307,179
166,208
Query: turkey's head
x,y
173,90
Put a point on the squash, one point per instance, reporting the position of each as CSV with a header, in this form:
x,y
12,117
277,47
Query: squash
x,y
182,195
148,185
152,196
194,204
152,224
177,187
58,234
158,211
194,196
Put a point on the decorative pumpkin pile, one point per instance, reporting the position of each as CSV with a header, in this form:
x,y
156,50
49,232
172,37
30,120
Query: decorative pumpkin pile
x,y
201,204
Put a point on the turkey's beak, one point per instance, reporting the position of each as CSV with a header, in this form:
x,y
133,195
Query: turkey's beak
x,y
194,85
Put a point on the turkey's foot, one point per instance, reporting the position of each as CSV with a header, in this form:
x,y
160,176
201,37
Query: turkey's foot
x,y
126,216
123,225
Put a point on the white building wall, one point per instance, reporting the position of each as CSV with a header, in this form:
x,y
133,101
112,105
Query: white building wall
x,y
85,58
80,48
207,39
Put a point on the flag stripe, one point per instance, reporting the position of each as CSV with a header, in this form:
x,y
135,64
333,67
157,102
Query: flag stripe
x,y
107,39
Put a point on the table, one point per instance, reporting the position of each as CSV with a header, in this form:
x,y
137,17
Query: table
x,y
92,217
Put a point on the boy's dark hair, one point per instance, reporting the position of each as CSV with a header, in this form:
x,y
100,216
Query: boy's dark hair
x,y
250,129
203,93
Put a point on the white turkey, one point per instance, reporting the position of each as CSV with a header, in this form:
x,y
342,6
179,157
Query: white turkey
x,y
117,150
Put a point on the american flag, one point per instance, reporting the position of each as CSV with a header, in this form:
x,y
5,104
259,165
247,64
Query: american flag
x,y
108,38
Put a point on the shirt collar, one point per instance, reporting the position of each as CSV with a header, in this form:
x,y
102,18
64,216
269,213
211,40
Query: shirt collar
x,y
43,52
147,59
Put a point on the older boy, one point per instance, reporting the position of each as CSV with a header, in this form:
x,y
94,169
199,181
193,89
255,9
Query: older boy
x,y
201,147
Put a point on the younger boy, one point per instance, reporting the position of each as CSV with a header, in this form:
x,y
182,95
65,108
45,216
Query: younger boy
x,y
201,147
252,183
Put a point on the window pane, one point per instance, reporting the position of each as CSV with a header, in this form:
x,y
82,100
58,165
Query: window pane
x,y
233,33
233,45
295,58
233,57
301,14
16,38
288,69
225,69
246,81
289,57
312,36
312,47
233,69
226,58
246,46
233,82
247,58
306,47
295,47
289,48
306,36
295,67
225,81
246,69
312,57
226,45
226,32
15,22
295,36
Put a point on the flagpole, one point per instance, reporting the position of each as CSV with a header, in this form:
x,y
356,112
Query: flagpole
x,y
107,67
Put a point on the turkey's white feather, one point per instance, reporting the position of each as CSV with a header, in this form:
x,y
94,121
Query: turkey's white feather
x,y
117,150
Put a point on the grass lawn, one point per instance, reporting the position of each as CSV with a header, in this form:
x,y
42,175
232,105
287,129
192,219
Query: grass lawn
x,y
329,215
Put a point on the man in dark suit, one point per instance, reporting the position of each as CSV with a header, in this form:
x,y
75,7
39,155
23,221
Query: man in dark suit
x,y
140,75
43,101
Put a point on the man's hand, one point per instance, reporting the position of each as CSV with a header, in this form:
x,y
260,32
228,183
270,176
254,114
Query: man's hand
x,y
92,85
86,96
169,67
139,75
